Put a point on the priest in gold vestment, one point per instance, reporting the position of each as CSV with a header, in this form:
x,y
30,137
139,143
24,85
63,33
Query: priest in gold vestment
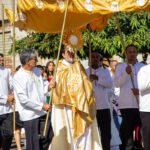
x,y
74,107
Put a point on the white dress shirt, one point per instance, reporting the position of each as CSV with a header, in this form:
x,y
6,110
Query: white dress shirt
x,y
100,87
122,80
29,93
144,87
5,87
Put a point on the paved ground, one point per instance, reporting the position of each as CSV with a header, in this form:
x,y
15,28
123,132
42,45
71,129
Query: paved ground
x,y
14,147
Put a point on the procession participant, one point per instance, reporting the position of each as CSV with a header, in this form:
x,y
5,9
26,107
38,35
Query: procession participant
x,y
101,80
18,126
115,113
144,105
127,99
41,69
50,70
74,109
115,95
30,100
6,108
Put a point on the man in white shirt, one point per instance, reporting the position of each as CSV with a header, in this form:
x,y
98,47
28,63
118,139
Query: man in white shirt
x,y
101,80
6,109
127,98
144,105
30,101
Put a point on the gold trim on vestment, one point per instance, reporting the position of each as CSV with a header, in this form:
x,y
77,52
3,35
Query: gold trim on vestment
x,y
74,89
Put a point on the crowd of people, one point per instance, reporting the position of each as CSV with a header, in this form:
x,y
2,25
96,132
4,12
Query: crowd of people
x,y
92,109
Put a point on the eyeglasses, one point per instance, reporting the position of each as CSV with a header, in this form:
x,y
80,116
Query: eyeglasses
x,y
35,59
2,60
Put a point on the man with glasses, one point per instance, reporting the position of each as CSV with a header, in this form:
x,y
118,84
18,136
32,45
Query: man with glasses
x,y
6,109
30,101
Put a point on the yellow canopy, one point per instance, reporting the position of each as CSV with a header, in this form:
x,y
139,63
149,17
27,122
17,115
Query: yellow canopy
x,y
147,7
47,15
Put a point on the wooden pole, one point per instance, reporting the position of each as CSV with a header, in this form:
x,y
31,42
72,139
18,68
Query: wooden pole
x,y
14,118
121,37
55,71
3,31
90,49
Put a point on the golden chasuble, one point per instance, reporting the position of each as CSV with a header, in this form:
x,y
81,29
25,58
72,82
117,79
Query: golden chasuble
x,y
74,89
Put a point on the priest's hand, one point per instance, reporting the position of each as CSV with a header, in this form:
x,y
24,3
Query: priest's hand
x,y
135,91
47,107
128,69
93,77
52,84
10,98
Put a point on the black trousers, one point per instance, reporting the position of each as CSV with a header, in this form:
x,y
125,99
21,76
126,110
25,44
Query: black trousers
x,y
104,125
6,131
145,118
130,119
34,134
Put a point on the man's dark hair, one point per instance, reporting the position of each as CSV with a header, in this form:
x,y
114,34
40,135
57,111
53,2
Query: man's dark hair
x,y
40,67
18,67
100,56
1,55
131,45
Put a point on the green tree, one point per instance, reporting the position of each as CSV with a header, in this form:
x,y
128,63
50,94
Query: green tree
x,y
134,26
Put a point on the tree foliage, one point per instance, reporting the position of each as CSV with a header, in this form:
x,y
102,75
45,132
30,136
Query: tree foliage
x,y
135,28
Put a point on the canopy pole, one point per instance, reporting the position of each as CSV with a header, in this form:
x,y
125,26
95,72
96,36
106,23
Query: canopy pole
x,y
90,65
55,71
14,118
3,31
123,45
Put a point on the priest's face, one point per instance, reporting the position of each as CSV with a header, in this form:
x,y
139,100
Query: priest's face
x,y
1,61
69,56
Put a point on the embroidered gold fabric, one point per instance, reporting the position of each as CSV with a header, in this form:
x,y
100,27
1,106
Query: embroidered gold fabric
x,y
74,89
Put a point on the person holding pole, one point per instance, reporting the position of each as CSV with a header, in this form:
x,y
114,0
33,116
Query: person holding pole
x,y
101,80
6,108
30,94
127,101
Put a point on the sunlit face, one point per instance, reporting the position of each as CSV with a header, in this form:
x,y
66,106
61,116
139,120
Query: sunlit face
x,y
51,67
69,56
1,61
32,63
131,53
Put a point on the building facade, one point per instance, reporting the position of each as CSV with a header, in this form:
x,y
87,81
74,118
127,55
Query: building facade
x,y
9,33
